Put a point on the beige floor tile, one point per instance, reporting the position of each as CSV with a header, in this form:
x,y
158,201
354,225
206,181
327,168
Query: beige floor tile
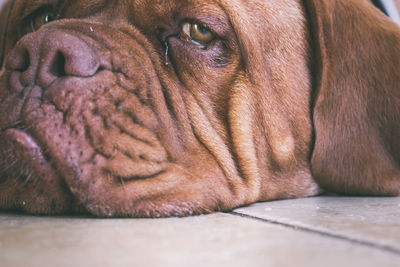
x,y
370,220
214,240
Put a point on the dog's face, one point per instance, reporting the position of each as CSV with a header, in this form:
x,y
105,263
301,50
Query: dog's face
x,y
154,108
178,107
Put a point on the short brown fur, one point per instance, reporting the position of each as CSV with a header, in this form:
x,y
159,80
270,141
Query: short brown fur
x,y
111,109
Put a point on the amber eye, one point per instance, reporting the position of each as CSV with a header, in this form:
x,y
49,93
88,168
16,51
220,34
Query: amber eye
x,y
41,19
198,33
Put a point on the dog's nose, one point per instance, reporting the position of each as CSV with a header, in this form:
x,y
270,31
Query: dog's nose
x,y
42,57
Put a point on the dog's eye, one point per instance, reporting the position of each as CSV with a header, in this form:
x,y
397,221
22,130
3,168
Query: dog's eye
x,y
198,33
41,19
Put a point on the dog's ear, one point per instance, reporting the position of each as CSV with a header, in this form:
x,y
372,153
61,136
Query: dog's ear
x,y
5,10
356,107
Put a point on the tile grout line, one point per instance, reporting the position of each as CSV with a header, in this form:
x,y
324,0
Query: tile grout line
x,y
386,248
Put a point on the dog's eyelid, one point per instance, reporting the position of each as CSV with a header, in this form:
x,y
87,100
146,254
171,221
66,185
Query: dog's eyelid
x,y
217,24
32,10
41,18
212,27
197,33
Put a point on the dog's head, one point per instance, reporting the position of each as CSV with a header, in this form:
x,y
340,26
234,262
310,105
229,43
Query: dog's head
x,y
155,108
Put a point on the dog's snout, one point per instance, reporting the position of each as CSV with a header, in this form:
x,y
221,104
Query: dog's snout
x,y
42,57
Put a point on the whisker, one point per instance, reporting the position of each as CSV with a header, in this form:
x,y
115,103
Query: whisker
x,y
28,177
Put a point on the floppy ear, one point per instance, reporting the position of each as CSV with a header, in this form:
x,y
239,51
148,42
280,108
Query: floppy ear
x,y
357,97
5,8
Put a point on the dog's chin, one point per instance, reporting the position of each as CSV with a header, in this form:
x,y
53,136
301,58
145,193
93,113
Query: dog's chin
x,y
29,182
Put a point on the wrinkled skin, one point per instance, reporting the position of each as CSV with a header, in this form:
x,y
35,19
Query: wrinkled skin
x,y
112,110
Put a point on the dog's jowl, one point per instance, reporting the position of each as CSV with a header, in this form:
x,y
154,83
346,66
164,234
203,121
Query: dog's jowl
x,y
171,108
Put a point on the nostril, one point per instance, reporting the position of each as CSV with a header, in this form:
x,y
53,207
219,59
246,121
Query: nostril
x,y
25,61
57,66
44,56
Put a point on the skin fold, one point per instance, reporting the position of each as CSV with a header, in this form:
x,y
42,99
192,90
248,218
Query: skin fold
x,y
139,108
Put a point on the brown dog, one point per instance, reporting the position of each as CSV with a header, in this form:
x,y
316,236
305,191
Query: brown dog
x,y
169,108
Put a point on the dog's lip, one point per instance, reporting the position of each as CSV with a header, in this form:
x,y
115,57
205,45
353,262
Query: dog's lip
x,y
20,136
21,149
20,145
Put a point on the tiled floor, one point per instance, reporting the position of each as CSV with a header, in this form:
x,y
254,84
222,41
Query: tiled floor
x,y
323,231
